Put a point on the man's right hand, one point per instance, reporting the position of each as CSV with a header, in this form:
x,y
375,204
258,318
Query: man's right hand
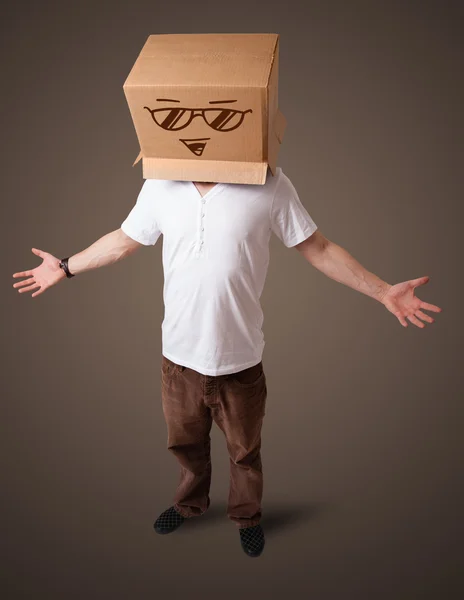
x,y
43,276
107,250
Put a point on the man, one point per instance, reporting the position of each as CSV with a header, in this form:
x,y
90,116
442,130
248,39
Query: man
x,y
215,260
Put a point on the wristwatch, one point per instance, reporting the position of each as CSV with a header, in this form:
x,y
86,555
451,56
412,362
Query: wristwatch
x,y
64,266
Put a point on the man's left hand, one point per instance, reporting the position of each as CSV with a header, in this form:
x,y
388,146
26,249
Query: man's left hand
x,y
399,299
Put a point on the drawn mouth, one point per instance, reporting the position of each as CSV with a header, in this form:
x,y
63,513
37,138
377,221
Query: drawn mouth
x,y
196,146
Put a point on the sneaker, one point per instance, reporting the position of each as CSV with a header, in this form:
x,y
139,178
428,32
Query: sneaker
x,y
168,521
252,540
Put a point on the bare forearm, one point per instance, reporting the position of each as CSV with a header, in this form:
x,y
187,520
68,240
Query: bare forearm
x,y
338,264
109,249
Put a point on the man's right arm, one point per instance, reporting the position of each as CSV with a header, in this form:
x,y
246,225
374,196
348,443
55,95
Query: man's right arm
x,y
109,249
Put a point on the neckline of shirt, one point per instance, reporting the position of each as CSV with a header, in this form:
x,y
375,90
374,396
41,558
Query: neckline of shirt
x,y
214,190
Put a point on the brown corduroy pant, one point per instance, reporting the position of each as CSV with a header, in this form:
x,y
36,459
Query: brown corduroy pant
x,y
236,402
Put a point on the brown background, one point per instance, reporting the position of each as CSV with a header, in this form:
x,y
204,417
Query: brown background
x,y
362,444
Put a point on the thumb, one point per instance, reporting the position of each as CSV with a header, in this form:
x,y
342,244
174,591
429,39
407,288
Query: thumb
x,y
420,281
38,252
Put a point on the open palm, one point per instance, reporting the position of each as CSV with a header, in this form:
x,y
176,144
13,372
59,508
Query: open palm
x,y
44,276
401,301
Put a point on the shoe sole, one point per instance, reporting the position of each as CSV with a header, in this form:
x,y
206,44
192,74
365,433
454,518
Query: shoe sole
x,y
166,531
252,554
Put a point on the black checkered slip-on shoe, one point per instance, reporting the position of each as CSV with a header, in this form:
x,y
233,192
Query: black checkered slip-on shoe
x,y
168,521
252,540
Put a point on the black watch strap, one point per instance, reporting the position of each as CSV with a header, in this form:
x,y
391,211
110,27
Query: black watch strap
x,y
64,266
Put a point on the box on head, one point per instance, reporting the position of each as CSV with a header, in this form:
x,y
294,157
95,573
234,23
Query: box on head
x,y
205,107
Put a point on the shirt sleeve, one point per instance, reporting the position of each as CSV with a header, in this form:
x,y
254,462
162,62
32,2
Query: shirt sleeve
x,y
141,224
290,220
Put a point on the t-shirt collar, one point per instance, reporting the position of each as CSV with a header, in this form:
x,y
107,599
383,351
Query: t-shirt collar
x,y
213,191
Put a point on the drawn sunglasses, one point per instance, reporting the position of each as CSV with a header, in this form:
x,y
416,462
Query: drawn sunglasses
x,y
219,119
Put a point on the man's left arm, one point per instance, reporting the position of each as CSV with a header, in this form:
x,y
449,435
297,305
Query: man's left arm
x,y
336,262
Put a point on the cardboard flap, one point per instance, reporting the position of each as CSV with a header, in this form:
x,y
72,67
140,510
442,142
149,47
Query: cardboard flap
x,y
138,158
204,170
280,124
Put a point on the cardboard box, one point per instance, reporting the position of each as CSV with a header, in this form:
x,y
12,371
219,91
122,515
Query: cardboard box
x,y
205,106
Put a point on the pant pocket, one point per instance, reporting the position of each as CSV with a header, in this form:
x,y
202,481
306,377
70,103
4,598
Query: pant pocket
x,y
248,378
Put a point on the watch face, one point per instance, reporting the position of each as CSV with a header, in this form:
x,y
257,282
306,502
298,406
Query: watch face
x,y
64,267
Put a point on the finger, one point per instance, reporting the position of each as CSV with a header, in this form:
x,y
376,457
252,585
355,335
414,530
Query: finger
x,y
30,287
41,291
416,321
23,282
22,274
402,320
431,307
38,252
424,317
419,281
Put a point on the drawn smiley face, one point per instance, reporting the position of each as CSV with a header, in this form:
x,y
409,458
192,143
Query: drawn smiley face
x,y
219,118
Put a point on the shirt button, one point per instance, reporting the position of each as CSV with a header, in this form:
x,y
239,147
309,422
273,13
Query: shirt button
x,y
203,201
202,228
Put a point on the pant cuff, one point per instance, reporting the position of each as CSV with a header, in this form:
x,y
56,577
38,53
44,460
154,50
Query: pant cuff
x,y
186,513
251,523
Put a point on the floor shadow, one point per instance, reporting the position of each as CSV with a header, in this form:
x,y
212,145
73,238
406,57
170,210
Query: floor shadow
x,y
280,516
276,516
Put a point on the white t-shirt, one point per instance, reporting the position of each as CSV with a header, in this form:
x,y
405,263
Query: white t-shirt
x,y
215,262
